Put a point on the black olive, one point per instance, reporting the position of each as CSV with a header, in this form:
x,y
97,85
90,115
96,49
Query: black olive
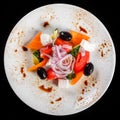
x,y
88,69
65,35
42,73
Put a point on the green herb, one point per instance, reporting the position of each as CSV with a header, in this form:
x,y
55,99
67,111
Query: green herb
x,y
75,50
71,76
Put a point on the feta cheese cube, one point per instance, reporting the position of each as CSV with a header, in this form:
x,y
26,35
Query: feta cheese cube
x,y
87,45
45,39
63,83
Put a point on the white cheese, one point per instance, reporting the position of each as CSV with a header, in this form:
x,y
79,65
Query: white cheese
x,y
45,39
87,45
63,83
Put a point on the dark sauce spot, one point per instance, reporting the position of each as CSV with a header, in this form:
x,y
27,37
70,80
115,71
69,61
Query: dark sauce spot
x,y
80,98
83,29
24,48
24,75
83,91
51,102
104,48
86,82
102,53
59,99
49,89
93,84
22,69
15,50
45,24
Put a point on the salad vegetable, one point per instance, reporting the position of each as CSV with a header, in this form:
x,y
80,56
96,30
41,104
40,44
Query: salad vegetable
x,y
75,50
71,75
76,78
61,56
55,34
42,73
65,36
78,37
35,43
36,57
81,61
40,64
66,44
88,69
51,75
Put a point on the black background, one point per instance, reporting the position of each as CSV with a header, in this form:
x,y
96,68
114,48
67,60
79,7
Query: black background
x,y
12,107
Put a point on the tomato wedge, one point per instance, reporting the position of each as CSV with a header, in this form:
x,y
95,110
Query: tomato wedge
x,y
46,49
61,42
81,61
51,74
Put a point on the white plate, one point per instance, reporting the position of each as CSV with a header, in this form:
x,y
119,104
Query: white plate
x,y
60,101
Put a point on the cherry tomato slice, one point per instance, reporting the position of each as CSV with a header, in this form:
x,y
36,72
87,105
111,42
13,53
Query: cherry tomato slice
x,y
46,49
81,61
51,74
61,42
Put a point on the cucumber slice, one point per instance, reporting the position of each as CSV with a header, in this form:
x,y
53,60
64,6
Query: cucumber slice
x,y
36,57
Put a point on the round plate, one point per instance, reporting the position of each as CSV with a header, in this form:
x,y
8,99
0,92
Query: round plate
x,y
27,85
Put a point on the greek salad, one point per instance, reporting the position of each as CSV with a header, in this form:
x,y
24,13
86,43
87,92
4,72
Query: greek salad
x,y
62,56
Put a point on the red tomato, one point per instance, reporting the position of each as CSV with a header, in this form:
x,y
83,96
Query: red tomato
x,y
81,61
51,74
46,49
61,42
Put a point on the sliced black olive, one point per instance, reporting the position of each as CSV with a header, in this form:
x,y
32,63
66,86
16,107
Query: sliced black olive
x,y
42,73
65,35
89,68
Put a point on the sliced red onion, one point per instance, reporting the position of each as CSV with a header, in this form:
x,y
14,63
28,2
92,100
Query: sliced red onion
x,y
63,65
61,62
68,59
58,52
67,46
47,55
72,67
